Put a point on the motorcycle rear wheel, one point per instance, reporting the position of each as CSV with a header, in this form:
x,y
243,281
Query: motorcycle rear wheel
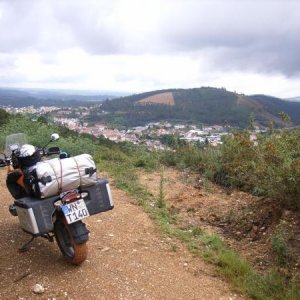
x,y
73,252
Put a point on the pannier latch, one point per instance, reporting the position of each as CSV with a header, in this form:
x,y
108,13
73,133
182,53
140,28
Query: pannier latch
x,y
46,179
90,171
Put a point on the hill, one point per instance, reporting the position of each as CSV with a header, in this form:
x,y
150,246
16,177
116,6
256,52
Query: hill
x,y
201,105
43,97
293,99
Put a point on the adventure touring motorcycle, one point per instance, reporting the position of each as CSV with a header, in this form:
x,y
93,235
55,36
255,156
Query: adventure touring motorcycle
x,y
53,196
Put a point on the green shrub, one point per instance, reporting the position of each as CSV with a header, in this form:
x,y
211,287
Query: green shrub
x,y
146,160
186,156
233,266
270,167
279,169
272,286
161,196
168,158
4,117
280,247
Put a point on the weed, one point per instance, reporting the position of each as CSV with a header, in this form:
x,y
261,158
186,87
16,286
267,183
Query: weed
x,y
280,247
272,286
161,197
190,209
174,247
232,265
197,231
208,185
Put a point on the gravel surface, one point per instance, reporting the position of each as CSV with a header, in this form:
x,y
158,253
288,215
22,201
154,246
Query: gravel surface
x,y
129,258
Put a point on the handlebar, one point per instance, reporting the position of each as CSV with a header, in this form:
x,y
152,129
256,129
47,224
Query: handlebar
x,y
49,152
53,150
7,160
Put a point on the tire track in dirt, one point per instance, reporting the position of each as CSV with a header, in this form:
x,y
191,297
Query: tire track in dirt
x,y
129,258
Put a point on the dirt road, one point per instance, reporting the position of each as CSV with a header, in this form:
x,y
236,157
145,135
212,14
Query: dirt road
x,y
129,258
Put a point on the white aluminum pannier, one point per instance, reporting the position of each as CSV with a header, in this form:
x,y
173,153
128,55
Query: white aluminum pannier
x,y
55,176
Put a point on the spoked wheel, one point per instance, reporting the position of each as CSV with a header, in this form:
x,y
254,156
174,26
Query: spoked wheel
x,y
75,252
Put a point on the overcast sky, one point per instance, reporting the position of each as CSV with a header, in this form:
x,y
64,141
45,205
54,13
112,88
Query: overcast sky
x,y
139,45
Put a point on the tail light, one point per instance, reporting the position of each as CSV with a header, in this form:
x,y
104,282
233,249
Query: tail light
x,y
70,196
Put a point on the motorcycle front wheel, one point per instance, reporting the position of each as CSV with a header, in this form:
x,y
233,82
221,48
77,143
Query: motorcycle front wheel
x,y
75,252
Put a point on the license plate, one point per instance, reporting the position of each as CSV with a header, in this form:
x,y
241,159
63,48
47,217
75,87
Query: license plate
x,y
75,211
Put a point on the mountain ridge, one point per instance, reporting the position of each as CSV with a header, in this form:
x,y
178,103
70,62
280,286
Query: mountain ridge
x,y
206,105
201,105
18,97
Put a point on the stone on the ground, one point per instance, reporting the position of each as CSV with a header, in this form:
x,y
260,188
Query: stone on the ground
x,y
38,289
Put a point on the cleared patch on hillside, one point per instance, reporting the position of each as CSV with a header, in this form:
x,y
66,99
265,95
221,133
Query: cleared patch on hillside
x,y
163,98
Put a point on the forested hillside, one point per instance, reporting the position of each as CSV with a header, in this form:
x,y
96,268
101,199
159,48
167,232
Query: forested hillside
x,y
200,105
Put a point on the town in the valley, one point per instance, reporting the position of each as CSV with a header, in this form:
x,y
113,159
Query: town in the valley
x,y
149,135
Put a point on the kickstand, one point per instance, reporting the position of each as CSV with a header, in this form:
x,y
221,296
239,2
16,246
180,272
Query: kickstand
x,y
25,247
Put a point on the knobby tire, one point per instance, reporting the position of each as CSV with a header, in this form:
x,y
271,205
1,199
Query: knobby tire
x,y
73,252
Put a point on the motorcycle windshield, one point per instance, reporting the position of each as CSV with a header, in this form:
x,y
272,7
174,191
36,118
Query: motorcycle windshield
x,y
14,142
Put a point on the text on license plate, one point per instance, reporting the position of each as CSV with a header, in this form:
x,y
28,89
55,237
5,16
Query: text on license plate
x,y
75,211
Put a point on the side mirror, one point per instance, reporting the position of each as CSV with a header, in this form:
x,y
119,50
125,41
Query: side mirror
x,y
2,162
54,137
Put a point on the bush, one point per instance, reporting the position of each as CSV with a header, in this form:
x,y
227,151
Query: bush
x,y
187,156
280,247
38,134
270,167
279,168
4,117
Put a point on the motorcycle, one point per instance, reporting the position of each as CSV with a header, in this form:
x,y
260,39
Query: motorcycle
x,y
58,217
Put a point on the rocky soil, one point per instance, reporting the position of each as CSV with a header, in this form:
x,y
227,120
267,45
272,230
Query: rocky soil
x,y
129,258
247,223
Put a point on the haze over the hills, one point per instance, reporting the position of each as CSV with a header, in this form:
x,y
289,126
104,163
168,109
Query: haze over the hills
x,y
293,99
46,97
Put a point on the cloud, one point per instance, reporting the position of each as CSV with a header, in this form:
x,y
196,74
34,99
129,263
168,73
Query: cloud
x,y
256,35
30,25
140,45
260,35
